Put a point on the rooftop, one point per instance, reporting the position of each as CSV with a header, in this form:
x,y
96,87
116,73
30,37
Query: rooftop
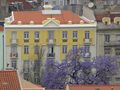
x,y
93,87
9,80
38,17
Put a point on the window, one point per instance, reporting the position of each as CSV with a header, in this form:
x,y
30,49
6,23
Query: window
x,y
106,23
26,49
14,35
51,49
87,35
61,2
118,37
74,47
26,66
68,2
107,38
36,49
36,34
13,49
75,34
107,50
14,64
64,34
118,22
117,79
117,51
64,49
87,48
50,35
36,78
54,2
26,35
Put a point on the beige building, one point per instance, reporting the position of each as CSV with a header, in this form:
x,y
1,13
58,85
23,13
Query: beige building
x,y
108,37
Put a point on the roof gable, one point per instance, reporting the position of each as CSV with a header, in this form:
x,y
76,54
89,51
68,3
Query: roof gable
x,y
51,23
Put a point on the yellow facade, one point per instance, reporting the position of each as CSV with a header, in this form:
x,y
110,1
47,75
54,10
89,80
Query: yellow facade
x,y
43,39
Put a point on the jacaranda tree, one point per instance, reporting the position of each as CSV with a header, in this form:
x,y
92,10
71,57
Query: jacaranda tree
x,y
73,70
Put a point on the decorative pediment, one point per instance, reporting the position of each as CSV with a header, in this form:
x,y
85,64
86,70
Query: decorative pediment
x,y
51,22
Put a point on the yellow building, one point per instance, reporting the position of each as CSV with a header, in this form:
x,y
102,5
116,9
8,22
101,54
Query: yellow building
x,y
56,32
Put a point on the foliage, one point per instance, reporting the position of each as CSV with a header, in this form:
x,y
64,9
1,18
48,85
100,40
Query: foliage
x,y
74,71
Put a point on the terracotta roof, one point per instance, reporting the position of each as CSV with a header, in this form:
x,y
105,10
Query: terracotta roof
x,y
1,28
9,80
93,87
26,85
26,16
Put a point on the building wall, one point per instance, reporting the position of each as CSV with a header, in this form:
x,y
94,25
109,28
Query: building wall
x,y
43,40
1,50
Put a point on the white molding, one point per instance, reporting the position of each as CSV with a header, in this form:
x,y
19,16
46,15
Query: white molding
x,y
60,26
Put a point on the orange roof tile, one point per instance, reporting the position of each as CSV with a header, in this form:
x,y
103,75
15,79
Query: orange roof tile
x,y
26,16
1,28
93,87
9,80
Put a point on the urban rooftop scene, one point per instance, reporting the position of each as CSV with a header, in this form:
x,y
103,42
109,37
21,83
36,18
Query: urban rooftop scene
x,y
59,44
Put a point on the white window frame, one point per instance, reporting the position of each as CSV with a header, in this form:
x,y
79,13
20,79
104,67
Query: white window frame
x,y
26,49
64,49
36,35
64,34
26,35
75,34
87,35
74,47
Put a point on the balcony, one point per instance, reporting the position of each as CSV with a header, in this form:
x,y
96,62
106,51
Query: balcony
x,y
13,55
87,41
51,55
64,40
14,41
112,43
51,41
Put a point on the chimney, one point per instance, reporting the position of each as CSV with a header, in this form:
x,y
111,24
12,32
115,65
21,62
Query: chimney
x,y
47,6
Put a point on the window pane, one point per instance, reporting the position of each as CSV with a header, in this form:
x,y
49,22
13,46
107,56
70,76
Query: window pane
x,y
26,49
26,35
36,49
36,35
64,34
107,38
50,35
14,64
64,49
87,35
75,34
14,35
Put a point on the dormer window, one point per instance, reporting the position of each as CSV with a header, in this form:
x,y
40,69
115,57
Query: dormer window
x,y
106,20
106,23
117,20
